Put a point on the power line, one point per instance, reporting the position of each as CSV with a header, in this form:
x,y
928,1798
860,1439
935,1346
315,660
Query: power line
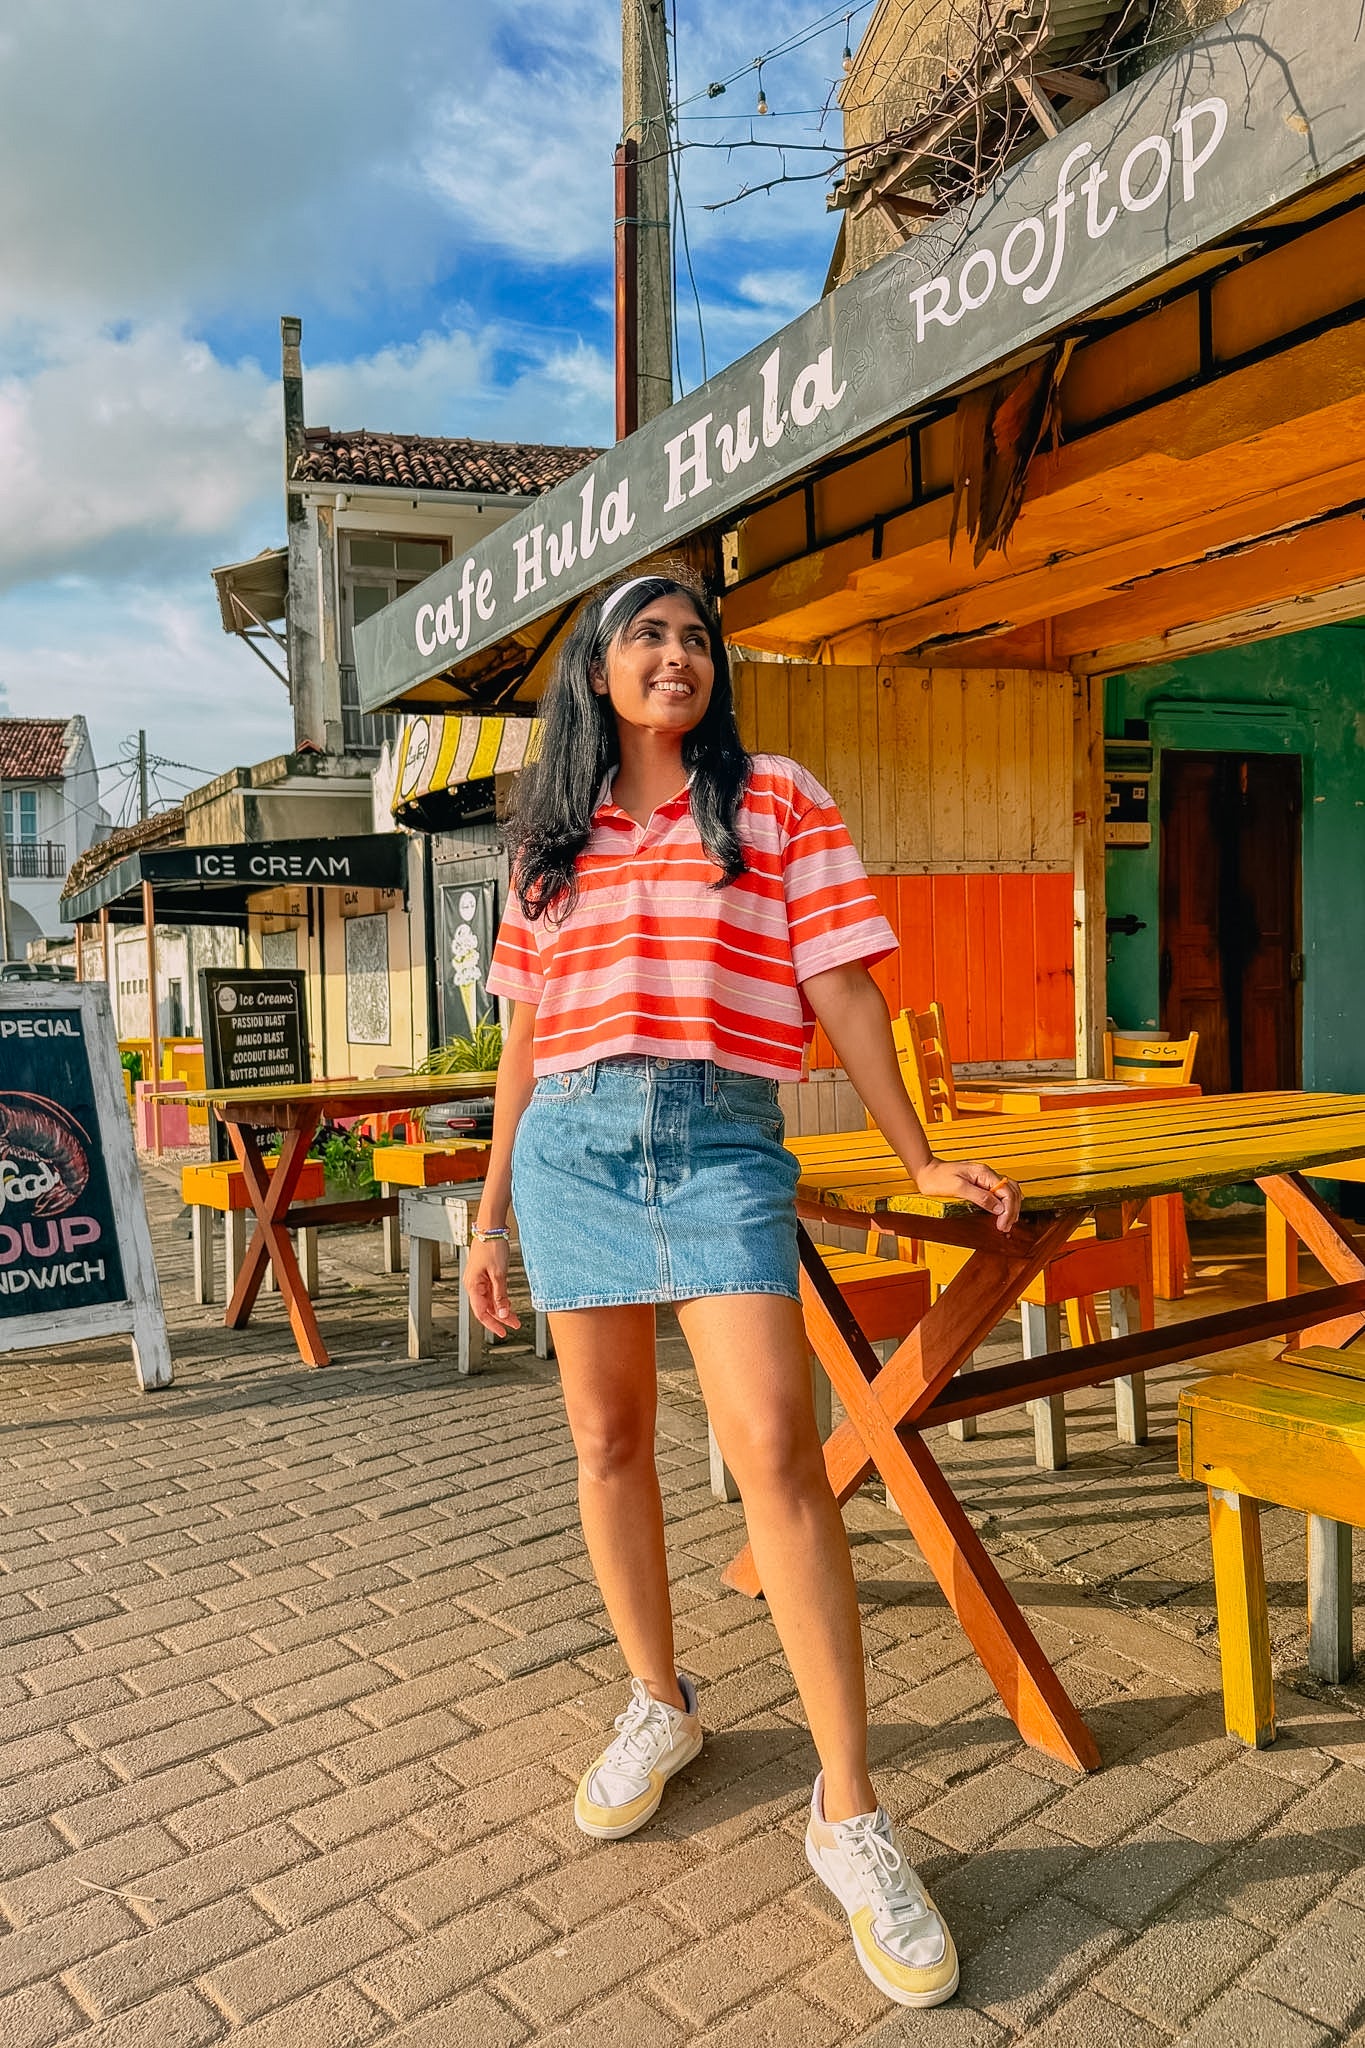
x,y
680,217
796,41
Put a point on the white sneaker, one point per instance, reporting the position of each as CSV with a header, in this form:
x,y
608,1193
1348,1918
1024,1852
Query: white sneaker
x,y
623,1788
898,1934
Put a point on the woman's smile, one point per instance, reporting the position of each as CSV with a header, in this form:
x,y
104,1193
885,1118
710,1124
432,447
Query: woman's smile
x,y
660,664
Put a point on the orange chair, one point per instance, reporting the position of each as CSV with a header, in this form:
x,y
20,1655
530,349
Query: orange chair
x,y
1147,1062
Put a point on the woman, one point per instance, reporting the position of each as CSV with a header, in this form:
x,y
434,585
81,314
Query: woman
x,y
681,914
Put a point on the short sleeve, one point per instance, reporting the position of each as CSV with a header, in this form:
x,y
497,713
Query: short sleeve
x,y
832,914
516,971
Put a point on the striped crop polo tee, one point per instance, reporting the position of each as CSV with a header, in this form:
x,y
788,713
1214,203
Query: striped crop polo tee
x,y
654,959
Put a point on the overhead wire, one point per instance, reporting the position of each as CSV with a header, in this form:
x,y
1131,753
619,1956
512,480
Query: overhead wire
x,y
797,40
680,217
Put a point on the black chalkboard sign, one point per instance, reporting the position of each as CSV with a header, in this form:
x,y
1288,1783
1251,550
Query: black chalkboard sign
x,y
255,1029
75,1251
255,1026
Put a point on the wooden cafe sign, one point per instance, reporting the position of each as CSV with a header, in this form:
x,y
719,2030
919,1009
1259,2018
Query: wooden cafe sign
x,y
1256,110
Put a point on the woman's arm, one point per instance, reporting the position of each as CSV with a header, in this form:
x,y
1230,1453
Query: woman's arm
x,y
486,1269
853,1015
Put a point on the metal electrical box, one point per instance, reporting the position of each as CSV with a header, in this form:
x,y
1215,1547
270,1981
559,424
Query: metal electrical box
x,y
1127,786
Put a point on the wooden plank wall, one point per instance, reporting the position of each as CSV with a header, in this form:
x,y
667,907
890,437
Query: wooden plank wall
x,y
995,950
957,786
935,770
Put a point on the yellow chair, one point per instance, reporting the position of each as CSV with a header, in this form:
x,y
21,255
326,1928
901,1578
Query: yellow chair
x,y
922,1048
1293,1433
182,1059
1088,1265
1147,1062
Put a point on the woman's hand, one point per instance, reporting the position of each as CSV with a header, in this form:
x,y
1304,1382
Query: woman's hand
x,y
485,1282
969,1180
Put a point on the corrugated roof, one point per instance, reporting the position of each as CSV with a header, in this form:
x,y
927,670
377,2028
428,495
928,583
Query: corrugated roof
x,y
167,828
33,749
1031,37
425,462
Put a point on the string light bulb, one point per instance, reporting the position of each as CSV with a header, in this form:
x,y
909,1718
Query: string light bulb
x,y
762,96
848,49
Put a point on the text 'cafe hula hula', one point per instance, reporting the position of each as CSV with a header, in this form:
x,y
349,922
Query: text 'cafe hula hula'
x,y
1150,334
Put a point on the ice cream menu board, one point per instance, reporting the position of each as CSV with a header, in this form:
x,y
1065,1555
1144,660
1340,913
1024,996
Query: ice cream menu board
x,y
255,1027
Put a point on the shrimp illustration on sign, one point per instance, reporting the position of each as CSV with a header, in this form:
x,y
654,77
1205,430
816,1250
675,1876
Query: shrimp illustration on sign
x,y
44,1156
465,967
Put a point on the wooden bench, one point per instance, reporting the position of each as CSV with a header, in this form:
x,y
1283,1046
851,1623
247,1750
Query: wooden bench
x,y
1087,1266
438,1163
1291,1433
219,1186
433,1221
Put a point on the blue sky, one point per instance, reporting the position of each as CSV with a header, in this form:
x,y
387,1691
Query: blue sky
x,y
428,184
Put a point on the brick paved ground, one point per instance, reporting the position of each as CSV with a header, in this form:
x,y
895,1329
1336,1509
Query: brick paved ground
x,y
297,1671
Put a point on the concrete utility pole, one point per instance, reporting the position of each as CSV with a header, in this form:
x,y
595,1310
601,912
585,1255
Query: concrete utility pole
x,y
143,807
644,121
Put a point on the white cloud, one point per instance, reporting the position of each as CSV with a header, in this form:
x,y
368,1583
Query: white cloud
x,y
155,155
120,450
143,453
154,657
526,163
781,293
421,387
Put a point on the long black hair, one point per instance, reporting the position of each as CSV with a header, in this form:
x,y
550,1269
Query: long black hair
x,y
552,816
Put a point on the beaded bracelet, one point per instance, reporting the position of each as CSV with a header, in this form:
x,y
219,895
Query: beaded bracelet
x,y
484,1235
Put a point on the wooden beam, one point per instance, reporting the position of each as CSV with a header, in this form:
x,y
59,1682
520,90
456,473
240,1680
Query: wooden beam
x,y
1090,960
1165,486
1052,586
1038,105
1073,85
997,1387
1277,585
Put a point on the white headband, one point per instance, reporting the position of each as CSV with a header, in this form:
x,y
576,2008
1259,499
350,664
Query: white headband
x,y
613,597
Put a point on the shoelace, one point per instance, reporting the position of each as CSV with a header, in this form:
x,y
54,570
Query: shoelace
x,y
886,1877
643,1714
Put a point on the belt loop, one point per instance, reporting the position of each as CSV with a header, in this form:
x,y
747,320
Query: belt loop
x,y
710,1084
590,1076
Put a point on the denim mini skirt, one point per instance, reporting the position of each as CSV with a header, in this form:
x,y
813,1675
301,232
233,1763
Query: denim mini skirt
x,y
639,1179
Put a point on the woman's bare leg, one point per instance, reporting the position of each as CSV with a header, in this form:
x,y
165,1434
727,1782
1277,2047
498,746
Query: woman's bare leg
x,y
606,1367
752,1360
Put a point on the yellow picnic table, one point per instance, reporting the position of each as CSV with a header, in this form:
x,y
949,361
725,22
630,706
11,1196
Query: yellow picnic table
x,y
1035,1095
295,1110
1069,1164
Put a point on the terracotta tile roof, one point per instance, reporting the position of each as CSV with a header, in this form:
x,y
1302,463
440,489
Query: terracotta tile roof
x,y
425,462
167,828
33,749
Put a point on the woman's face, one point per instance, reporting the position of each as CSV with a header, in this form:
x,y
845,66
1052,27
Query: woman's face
x,y
659,672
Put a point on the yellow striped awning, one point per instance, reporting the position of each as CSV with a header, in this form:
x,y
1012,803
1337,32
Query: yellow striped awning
x,y
436,753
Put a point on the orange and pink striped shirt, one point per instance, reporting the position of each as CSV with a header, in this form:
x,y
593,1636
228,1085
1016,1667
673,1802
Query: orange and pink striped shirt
x,y
654,959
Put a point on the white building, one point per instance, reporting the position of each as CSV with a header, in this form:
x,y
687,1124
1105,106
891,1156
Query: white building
x,y
51,801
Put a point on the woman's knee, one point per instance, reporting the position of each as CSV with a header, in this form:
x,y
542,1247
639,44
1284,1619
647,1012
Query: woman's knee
x,y
778,1453
612,1445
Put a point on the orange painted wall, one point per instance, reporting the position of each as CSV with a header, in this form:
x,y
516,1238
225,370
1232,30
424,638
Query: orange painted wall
x,y
995,950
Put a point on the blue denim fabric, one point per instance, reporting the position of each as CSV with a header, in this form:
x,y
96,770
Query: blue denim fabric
x,y
643,1179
